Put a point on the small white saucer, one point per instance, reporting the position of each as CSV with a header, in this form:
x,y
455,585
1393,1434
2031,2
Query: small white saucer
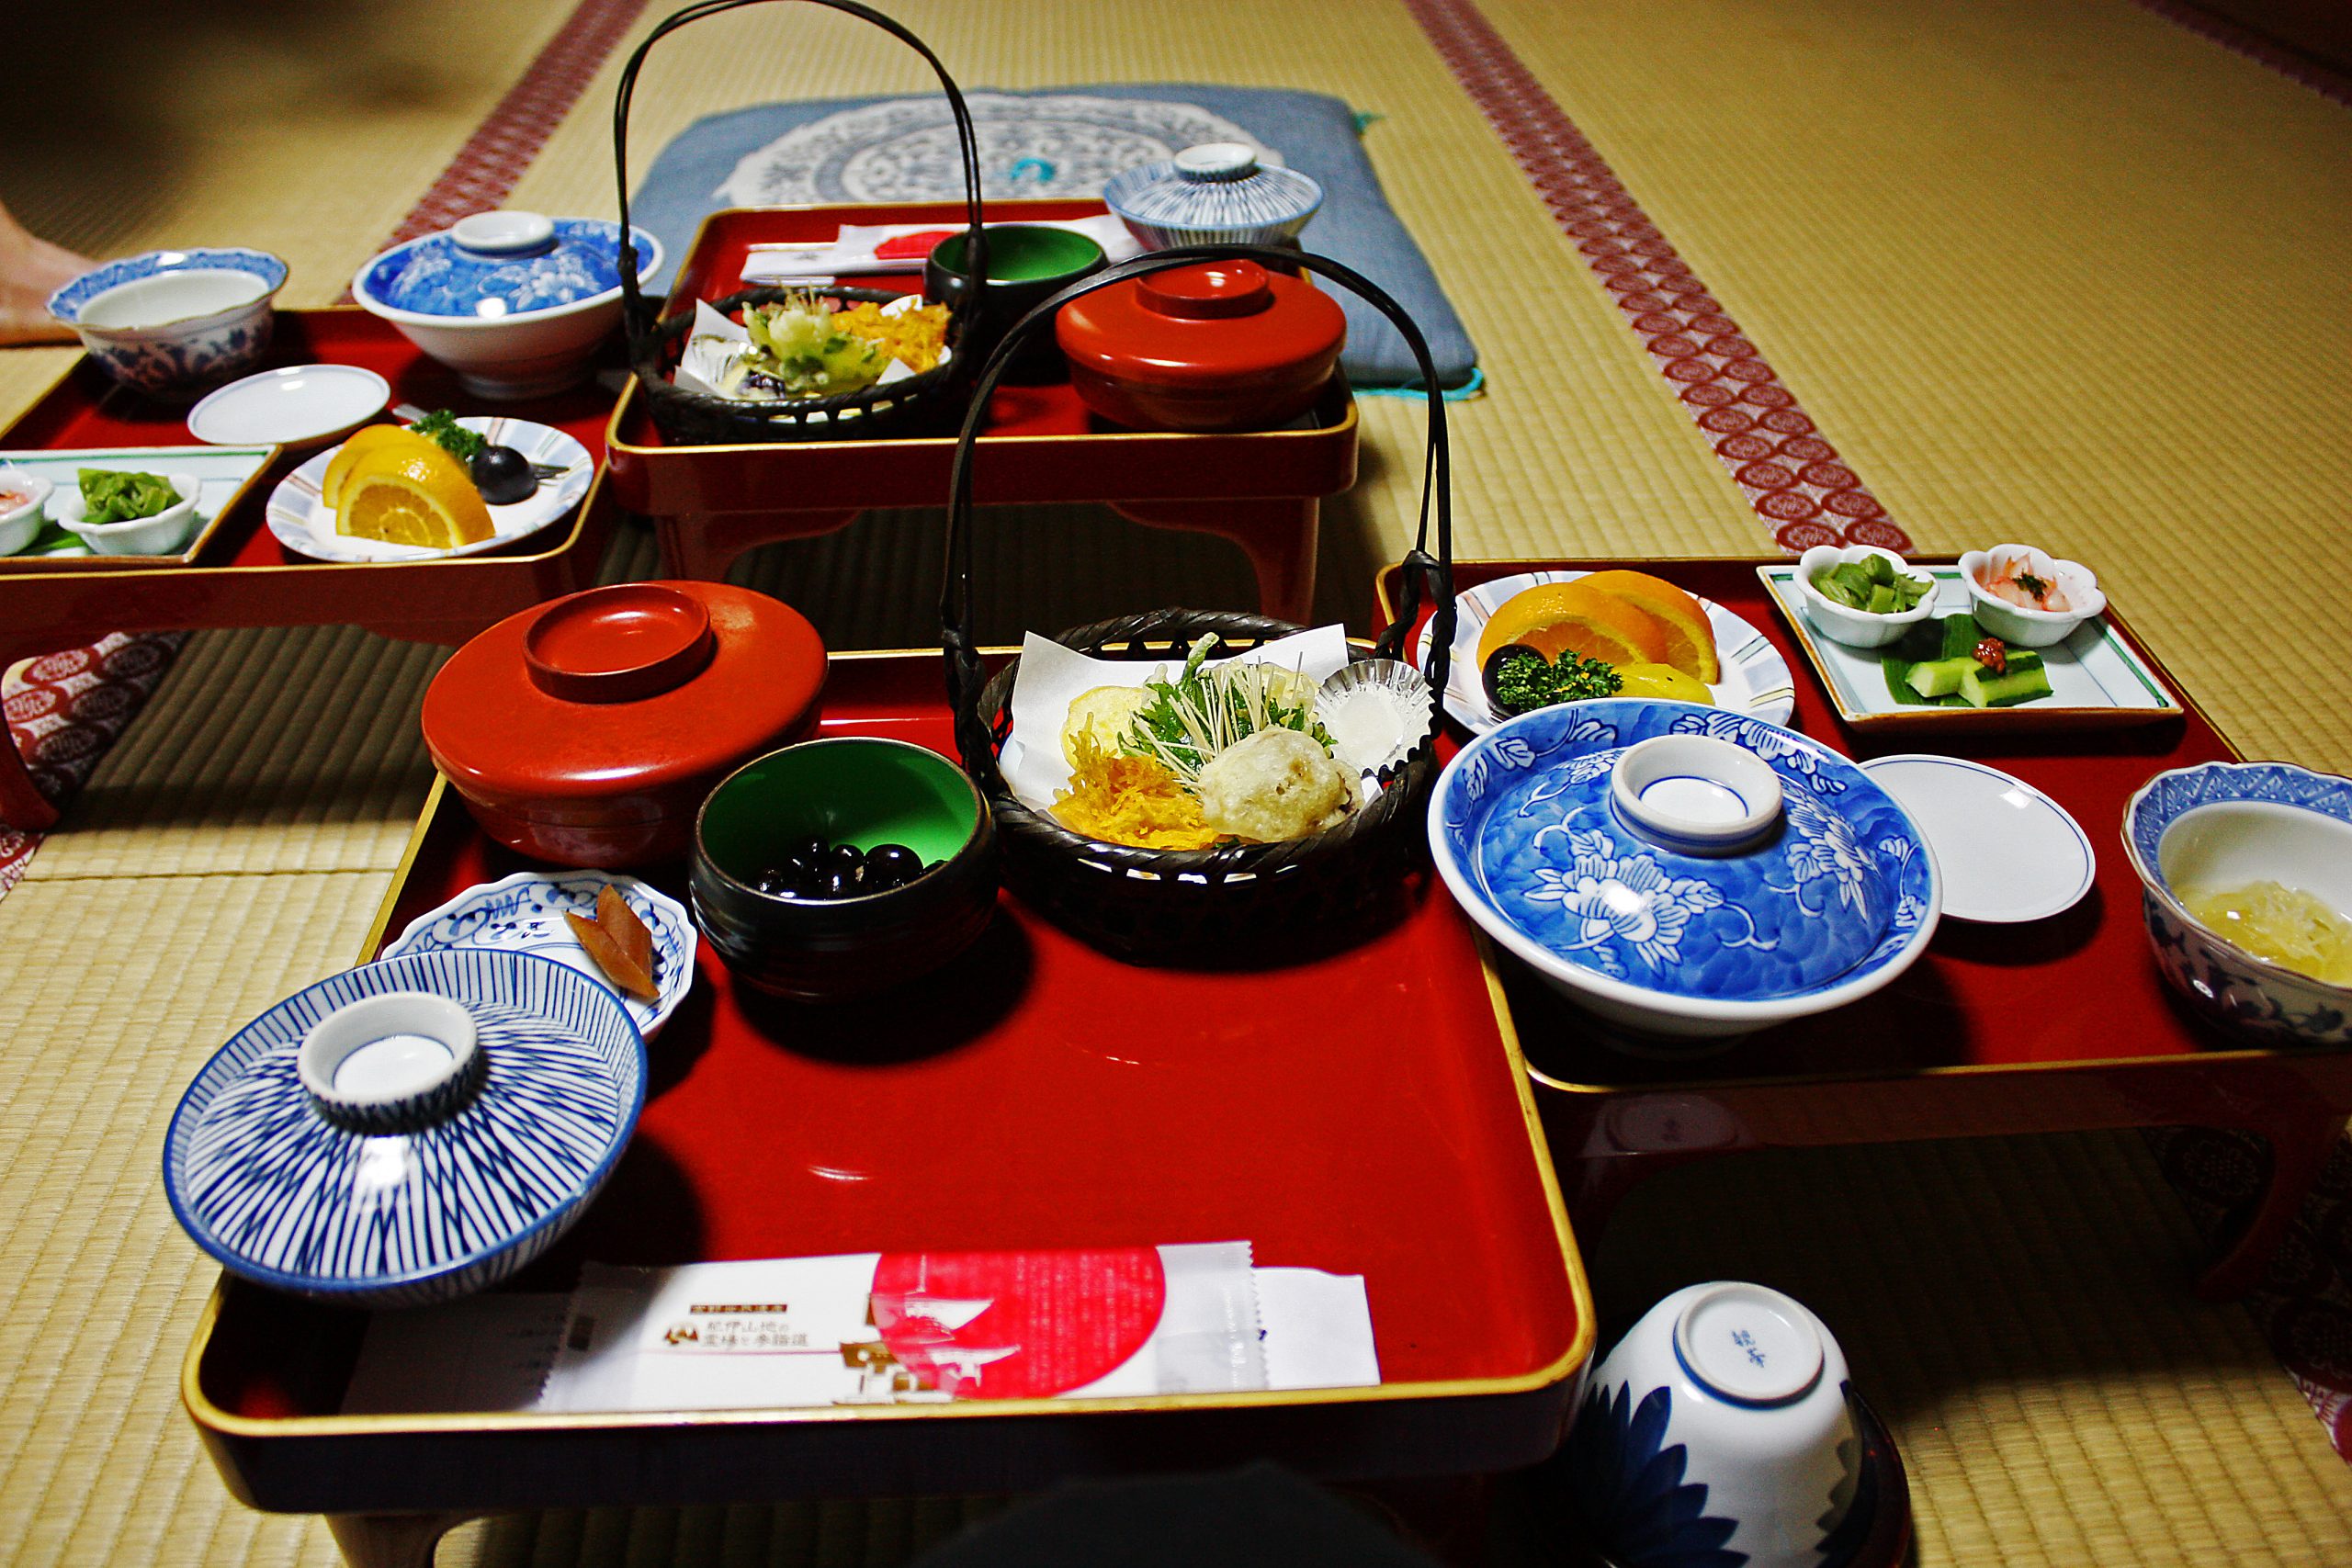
x,y
292,407
2007,851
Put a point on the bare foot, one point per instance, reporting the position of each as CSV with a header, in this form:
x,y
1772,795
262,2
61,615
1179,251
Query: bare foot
x,y
30,271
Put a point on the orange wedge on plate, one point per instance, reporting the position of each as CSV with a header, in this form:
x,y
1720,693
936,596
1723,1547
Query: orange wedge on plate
x,y
1690,640
374,438
1553,617
406,495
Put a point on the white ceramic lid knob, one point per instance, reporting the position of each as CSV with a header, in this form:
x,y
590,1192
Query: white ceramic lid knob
x,y
1749,1345
1216,161
502,233
1695,795
392,1061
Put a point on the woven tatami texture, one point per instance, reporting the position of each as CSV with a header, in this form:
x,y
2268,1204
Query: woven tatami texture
x,y
2017,1309
2053,270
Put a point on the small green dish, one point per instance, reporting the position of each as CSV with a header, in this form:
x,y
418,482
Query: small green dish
x,y
1028,263
854,790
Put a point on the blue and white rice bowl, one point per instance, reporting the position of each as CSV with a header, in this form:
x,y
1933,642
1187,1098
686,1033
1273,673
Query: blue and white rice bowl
x,y
524,913
171,323
1829,903
1215,193
2215,828
385,1202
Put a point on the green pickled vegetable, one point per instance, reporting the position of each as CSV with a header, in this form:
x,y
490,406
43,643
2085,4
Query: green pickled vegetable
x,y
1872,585
111,497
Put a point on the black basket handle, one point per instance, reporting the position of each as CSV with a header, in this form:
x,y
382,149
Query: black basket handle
x,y
635,314
1423,573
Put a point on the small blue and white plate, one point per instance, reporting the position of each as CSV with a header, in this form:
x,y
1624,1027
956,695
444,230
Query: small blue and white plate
x,y
525,913
305,525
268,1180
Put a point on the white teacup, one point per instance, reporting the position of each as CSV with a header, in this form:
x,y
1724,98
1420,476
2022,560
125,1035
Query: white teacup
x,y
1739,1392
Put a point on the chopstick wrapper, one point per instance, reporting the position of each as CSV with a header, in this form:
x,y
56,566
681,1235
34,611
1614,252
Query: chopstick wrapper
x,y
855,249
1051,677
873,1328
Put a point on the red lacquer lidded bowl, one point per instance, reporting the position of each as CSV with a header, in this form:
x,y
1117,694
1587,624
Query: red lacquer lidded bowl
x,y
587,730
1220,345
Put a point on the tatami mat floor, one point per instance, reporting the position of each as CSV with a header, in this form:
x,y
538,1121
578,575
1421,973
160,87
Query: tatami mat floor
x,y
2049,263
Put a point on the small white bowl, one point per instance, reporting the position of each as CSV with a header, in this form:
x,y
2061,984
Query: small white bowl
x,y
1857,628
1747,1388
19,521
2014,624
165,533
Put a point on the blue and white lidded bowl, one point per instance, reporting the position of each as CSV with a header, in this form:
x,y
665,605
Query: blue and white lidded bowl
x,y
1682,871
407,1132
2217,827
493,265
1215,193
1719,1431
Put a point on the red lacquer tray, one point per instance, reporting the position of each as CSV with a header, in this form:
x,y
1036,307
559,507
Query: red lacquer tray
x,y
1041,445
1362,1114
2062,1024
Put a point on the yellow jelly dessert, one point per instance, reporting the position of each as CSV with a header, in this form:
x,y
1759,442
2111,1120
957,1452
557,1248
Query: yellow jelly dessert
x,y
2286,925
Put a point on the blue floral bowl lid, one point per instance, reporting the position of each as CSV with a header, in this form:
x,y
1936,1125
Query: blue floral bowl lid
x,y
483,1175
1528,837
495,264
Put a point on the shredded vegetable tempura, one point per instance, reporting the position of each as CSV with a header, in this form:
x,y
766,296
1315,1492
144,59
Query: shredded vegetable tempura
x,y
913,337
1130,800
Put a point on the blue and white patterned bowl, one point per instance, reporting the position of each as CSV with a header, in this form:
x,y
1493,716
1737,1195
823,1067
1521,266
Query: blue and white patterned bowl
x,y
523,913
2216,827
279,1193
1217,194
174,322
1832,904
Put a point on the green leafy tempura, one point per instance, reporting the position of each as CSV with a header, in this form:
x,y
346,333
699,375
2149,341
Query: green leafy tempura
x,y
1204,712
441,425
111,497
800,354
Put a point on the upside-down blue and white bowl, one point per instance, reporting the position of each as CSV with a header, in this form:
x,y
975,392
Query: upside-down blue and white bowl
x,y
2216,828
385,1188
1832,898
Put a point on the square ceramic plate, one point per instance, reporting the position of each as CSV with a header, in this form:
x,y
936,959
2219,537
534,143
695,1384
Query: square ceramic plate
x,y
228,472
2095,677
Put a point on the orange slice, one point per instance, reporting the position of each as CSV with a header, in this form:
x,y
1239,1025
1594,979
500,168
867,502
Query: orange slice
x,y
406,495
1553,617
1690,640
374,438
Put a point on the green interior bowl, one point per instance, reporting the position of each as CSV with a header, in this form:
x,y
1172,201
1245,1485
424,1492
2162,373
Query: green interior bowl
x,y
852,790
1025,253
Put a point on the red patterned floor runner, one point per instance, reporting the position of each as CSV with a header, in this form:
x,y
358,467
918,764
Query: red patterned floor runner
x,y
71,706
1792,477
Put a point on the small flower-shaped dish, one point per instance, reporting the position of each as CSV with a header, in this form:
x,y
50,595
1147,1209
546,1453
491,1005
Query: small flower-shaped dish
x,y
1658,925
523,913
1857,628
2020,626
172,322
22,498
2217,827
358,1146
166,533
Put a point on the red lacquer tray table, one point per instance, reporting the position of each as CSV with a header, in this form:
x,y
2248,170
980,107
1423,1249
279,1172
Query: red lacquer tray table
x,y
2064,1025
1361,1113
1261,490
242,576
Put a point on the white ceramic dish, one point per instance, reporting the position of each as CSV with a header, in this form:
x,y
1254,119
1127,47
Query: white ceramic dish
x,y
292,407
305,525
1755,677
2095,677
1857,628
523,913
22,518
2007,851
166,533
224,472
2015,624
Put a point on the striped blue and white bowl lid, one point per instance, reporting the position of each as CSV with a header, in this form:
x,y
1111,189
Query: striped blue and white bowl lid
x,y
1217,187
282,1191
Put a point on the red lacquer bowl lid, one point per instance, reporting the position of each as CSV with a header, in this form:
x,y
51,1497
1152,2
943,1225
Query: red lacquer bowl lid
x,y
1205,325
620,691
